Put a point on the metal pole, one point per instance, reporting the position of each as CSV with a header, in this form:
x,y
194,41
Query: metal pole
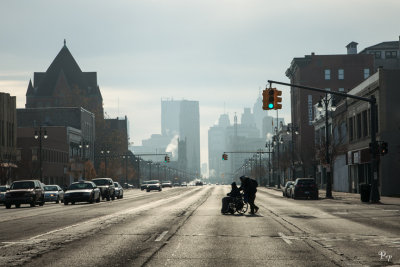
x,y
40,154
259,171
278,141
374,196
328,161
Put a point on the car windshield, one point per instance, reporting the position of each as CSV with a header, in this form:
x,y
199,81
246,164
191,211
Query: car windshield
x,y
116,184
80,186
50,188
153,182
101,182
23,185
3,189
306,182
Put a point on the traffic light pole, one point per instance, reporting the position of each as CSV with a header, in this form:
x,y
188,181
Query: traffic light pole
x,y
373,176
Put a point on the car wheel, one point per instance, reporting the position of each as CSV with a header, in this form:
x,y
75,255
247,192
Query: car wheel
x,y
91,199
147,190
65,202
32,204
108,198
8,206
41,204
122,196
72,203
18,205
98,199
113,197
58,200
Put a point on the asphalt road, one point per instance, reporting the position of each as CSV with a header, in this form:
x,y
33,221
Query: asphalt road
x,y
184,227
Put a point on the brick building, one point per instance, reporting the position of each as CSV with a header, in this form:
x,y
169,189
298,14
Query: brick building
x,y
332,72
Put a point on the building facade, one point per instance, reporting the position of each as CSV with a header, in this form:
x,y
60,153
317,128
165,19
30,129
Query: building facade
x,y
330,72
8,138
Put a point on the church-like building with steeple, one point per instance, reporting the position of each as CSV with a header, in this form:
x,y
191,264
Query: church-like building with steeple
x,y
64,84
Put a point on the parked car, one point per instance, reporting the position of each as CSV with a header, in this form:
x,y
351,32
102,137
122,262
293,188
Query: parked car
x,y
286,188
166,184
82,191
3,190
304,187
53,193
199,183
153,185
183,184
143,185
25,192
119,190
177,184
106,186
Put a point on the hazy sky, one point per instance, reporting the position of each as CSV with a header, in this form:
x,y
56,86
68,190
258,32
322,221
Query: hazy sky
x,y
213,51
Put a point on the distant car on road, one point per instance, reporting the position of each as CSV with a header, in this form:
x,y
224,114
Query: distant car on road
x,y
53,193
286,188
3,190
83,191
25,192
166,184
177,184
153,185
106,186
304,187
143,185
199,183
183,184
119,191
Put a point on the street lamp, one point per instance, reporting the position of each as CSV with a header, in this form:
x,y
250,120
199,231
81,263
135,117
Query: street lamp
x,y
42,133
294,130
105,153
83,146
329,104
269,145
126,157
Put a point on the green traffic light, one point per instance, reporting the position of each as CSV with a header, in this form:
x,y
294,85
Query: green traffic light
x,y
270,105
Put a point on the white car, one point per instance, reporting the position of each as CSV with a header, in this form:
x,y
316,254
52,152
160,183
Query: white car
x,y
53,193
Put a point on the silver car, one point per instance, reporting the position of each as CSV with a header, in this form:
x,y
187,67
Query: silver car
x,y
119,191
3,190
53,193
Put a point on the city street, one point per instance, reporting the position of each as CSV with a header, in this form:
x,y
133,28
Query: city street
x,y
183,226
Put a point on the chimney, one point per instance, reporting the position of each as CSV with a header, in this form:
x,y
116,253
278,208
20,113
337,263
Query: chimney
x,y
312,53
352,48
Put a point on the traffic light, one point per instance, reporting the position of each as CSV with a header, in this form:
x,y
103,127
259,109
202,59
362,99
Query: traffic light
x,y
277,99
224,156
268,98
166,159
383,148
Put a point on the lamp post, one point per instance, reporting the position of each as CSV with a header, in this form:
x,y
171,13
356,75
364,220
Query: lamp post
x,y
105,152
38,135
277,141
269,146
331,107
83,146
138,175
294,130
126,157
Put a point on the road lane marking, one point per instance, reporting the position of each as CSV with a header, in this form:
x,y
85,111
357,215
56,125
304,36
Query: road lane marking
x,y
285,238
160,237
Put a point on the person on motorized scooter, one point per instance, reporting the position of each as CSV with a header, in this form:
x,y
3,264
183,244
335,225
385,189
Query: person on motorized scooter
x,y
235,192
249,187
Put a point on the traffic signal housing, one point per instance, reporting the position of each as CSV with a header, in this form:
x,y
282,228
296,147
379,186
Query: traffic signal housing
x,y
166,159
277,99
383,148
268,99
224,156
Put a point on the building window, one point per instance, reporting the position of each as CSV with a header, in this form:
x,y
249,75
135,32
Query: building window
x,y
366,73
351,129
341,89
358,121
377,54
341,74
327,74
365,123
390,54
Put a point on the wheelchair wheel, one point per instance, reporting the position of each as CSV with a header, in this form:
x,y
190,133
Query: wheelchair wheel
x,y
242,207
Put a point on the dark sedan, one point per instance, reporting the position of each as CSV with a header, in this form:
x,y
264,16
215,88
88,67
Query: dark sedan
x,y
304,187
83,191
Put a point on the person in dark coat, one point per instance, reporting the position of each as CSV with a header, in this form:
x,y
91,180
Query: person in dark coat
x,y
249,187
235,192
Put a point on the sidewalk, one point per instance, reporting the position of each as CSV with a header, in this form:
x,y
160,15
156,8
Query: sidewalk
x,y
353,197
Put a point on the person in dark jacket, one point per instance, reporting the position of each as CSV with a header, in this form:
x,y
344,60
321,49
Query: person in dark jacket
x,y
249,187
235,192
